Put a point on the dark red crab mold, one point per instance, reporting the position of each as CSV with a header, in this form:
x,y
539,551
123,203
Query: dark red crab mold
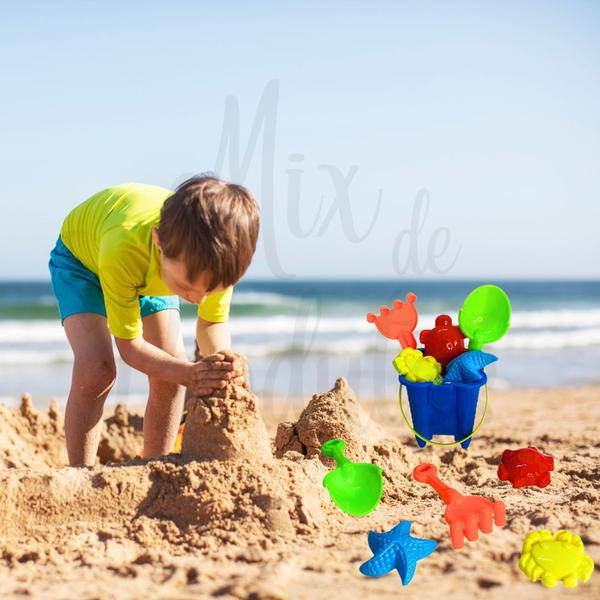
x,y
525,466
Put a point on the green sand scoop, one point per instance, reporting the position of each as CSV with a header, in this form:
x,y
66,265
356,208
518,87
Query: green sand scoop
x,y
355,487
485,316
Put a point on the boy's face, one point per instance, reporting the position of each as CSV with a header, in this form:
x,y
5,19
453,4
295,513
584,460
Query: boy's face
x,y
174,273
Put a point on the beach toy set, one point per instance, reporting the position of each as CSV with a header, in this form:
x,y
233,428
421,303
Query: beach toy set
x,y
443,378
356,488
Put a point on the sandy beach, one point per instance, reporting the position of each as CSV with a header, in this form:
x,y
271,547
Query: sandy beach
x,y
233,527
339,197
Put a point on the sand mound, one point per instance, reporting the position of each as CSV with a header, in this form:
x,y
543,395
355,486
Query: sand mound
x,y
225,491
237,502
226,427
122,436
29,438
168,504
333,414
225,487
337,414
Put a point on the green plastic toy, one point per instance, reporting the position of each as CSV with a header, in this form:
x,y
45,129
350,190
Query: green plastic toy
x,y
485,316
355,487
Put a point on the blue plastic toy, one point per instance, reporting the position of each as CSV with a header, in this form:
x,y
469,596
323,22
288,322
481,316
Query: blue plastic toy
x,y
396,549
467,367
447,409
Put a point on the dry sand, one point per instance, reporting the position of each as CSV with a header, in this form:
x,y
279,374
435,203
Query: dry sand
x,y
243,514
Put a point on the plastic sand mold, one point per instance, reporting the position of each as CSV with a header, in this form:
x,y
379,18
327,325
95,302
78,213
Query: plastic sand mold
x,y
444,342
415,367
468,367
554,558
356,488
525,466
396,549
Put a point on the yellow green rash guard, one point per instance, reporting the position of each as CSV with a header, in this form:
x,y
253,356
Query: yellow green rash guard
x,y
110,234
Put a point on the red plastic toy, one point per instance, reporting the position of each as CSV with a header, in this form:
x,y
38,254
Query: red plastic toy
x,y
465,514
399,322
526,466
444,342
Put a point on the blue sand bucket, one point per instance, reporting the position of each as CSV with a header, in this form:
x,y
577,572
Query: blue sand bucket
x,y
446,409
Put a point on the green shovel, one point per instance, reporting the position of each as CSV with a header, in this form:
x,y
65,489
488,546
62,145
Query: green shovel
x,y
485,316
355,487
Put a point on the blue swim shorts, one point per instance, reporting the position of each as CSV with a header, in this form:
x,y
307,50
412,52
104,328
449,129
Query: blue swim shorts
x,y
78,290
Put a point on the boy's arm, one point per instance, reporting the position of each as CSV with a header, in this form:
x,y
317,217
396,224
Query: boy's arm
x,y
147,358
201,377
212,337
212,328
216,337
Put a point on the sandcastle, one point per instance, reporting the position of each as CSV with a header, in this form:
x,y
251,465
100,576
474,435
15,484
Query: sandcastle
x,y
226,427
337,414
229,485
332,414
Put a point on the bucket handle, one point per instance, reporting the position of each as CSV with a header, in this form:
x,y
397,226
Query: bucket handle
x,y
443,443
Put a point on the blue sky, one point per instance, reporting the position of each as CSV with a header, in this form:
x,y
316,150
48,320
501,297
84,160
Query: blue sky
x,y
492,108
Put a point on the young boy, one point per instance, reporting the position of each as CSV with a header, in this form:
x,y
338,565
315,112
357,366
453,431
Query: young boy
x,y
120,262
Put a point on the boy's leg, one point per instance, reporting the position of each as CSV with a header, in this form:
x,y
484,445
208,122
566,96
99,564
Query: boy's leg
x,y
165,399
94,374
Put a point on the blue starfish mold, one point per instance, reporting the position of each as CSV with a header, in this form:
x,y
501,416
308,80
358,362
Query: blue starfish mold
x,y
396,549
467,367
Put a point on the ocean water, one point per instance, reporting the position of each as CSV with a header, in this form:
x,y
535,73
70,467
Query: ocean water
x,y
300,335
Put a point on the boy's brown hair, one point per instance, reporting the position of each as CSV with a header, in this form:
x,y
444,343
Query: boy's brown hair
x,y
212,226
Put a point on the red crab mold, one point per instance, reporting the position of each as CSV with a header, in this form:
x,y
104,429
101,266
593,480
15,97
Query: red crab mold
x,y
525,466
444,342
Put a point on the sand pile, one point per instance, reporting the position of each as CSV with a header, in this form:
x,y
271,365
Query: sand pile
x,y
226,427
122,436
337,414
226,487
31,439
226,490
334,414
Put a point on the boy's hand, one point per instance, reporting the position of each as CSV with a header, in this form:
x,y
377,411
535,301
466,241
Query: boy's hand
x,y
240,364
210,373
